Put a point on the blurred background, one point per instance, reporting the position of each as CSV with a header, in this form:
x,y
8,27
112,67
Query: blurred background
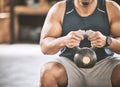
x,y
21,21
21,59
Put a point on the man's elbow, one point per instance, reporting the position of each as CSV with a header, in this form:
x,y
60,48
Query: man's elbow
x,y
43,50
46,49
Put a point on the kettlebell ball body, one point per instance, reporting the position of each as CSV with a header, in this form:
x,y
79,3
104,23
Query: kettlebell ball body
x,y
85,57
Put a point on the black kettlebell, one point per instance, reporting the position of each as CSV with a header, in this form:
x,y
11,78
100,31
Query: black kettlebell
x,y
85,57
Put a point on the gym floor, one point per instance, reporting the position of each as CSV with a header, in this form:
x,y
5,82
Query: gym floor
x,y
20,65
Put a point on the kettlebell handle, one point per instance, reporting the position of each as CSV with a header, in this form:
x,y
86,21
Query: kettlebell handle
x,y
85,35
77,48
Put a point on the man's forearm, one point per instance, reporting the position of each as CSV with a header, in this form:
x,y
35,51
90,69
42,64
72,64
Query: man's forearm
x,y
52,45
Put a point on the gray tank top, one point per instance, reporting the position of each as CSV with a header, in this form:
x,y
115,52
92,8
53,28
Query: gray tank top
x,y
98,21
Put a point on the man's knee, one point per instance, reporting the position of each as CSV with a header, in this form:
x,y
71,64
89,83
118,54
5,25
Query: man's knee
x,y
115,78
53,73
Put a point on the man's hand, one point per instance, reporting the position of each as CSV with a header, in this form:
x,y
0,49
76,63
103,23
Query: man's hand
x,y
97,39
74,38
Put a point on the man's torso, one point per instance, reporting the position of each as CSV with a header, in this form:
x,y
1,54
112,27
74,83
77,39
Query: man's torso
x,y
97,21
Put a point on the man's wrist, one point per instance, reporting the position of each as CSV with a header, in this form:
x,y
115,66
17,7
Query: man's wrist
x,y
108,41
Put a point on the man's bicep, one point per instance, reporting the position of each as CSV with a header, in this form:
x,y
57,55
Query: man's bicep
x,y
115,28
51,27
115,19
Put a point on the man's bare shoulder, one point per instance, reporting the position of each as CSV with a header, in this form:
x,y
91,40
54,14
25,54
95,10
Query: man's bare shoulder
x,y
112,5
113,10
58,7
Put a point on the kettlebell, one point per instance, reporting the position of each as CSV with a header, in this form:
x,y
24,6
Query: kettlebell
x,y
85,57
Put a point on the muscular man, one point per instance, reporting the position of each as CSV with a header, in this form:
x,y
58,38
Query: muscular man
x,y
62,30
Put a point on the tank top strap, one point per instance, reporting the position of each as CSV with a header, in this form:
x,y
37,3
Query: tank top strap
x,y
102,5
69,5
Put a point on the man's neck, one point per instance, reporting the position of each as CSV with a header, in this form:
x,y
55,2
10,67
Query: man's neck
x,y
85,10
